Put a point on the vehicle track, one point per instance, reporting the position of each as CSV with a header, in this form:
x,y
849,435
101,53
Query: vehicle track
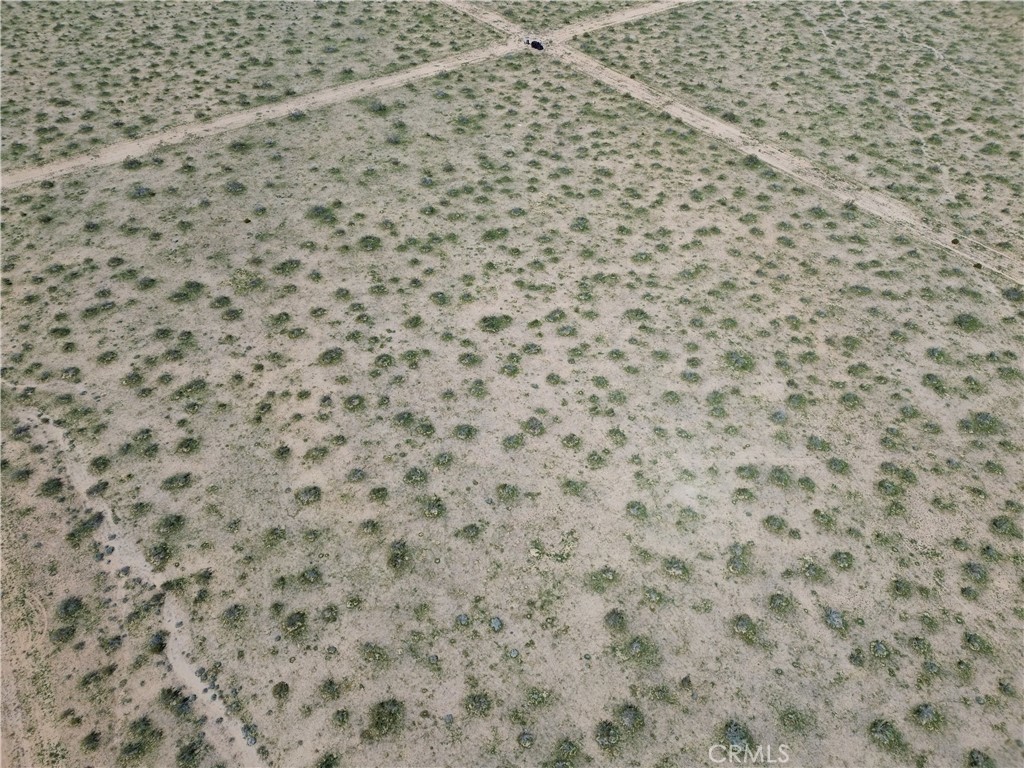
x,y
20,707
116,153
222,730
876,203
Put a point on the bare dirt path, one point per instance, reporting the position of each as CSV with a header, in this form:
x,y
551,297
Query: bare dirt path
x,y
24,631
482,14
223,731
879,204
870,201
618,17
876,203
116,153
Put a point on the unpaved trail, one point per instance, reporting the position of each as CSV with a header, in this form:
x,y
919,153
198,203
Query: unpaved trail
x,y
482,14
618,17
879,204
876,203
870,201
223,731
116,153
22,636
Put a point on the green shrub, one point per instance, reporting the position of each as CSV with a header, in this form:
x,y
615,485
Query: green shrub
x,y
144,737
331,356
981,423
177,482
189,291
310,494
495,323
885,735
295,624
321,214
739,361
967,322
51,486
478,704
387,718
507,493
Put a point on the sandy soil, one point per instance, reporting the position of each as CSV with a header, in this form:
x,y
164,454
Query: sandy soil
x,y
503,410
981,256
917,102
81,76
121,151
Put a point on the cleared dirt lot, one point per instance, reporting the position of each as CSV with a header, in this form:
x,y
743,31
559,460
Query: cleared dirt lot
x,y
500,419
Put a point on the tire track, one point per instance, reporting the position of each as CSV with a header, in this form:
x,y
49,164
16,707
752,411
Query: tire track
x,y
222,730
484,15
505,25
116,153
19,707
876,203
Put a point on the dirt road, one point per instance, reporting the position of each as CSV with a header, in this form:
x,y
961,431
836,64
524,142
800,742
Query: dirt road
x,y
879,204
116,153
223,731
876,203
885,207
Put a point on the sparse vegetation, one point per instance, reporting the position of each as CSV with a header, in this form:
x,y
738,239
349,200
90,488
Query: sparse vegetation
x,y
384,409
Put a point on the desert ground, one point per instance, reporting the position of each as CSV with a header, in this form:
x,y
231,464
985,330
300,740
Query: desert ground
x,y
378,390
